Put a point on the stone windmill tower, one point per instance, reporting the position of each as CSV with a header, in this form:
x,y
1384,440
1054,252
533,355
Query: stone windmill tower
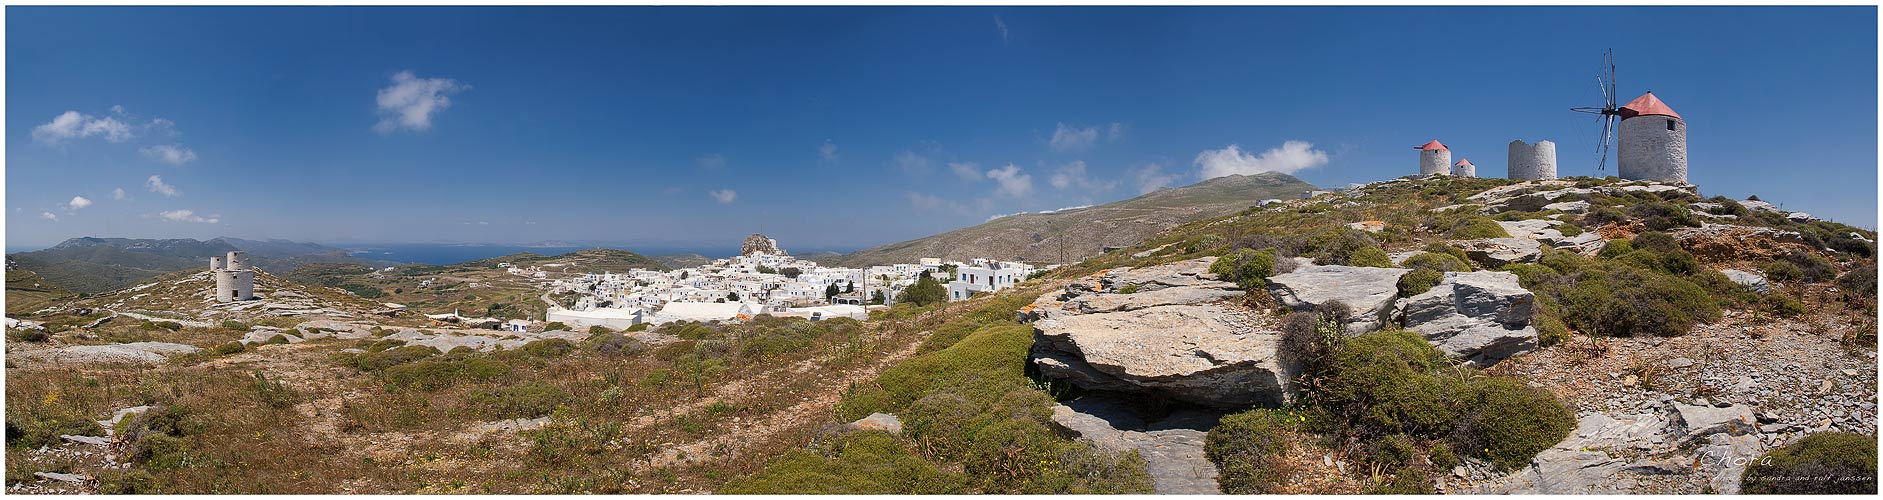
x,y
1653,138
1434,159
1464,168
1653,142
235,280
1532,162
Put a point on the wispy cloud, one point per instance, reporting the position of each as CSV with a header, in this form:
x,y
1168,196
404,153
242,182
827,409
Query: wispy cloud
x,y
928,203
1073,175
1013,182
75,125
1117,132
911,163
828,151
118,194
174,154
712,161
1002,26
156,185
1150,177
1072,139
967,170
78,202
410,102
1053,211
48,216
1292,156
724,196
188,216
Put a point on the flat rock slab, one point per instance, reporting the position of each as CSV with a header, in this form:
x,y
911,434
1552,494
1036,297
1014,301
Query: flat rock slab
x,y
1193,272
1496,252
1208,354
877,422
1172,448
135,353
1369,292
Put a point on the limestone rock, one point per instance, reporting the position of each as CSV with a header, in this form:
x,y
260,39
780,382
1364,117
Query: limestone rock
x,y
1701,420
1481,316
1496,252
1174,337
758,243
1574,207
135,352
877,422
1172,448
1755,281
1370,292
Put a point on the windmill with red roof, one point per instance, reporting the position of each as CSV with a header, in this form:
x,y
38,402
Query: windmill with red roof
x,y
1653,138
1434,158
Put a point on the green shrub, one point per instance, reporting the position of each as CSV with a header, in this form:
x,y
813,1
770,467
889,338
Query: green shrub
x,y
1393,381
1550,329
1370,257
520,401
1779,270
1569,230
1203,243
1418,281
1128,289
1407,481
1811,268
1442,262
1392,452
1336,246
1657,241
126,482
1475,227
1247,268
981,366
1532,276
1783,306
1824,463
227,349
277,339
597,329
1455,252
234,325
1510,422
1622,301
858,463
374,361
1442,457
35,335
554,326
1661,216
32,430
1249,451
547,348
1616,248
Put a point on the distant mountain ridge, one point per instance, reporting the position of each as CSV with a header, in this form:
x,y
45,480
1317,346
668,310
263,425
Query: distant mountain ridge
x,y
1074,234
92,264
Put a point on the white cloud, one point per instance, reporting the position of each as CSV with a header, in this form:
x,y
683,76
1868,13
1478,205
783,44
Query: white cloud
x,y
1118,131
78,202
1073,175
1150,177
117,194
828,151
410,101
48,216
724,196
1068,138
75,125
927,203
1002,26
1012,181
967,170
174,154
714,161
117,108
913,164
1289,158
156,185
188,216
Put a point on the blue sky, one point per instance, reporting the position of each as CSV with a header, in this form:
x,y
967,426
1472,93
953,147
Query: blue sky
x,y
842,128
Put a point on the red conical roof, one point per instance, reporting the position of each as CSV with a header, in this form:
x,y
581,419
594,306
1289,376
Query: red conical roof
x,y
1432,145
1461,163
1647,104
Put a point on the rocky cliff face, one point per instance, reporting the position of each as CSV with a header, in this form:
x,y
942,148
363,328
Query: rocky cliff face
x,y
758,243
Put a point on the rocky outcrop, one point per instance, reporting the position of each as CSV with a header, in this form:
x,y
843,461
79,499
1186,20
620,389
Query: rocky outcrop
x,y
1172,448
1175,337
758,243
1546,231
136,352
877,422
1752,280
1369,292
1727,242
1697,421
1496,252
1483,317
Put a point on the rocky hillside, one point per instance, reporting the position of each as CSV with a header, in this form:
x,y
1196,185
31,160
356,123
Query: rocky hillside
x,y
91,265
1071,235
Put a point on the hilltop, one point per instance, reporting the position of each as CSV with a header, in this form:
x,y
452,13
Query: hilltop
x,y
1071,235
91,265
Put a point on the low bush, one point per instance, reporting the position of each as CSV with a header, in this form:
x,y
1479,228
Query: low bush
x,y
1370,257
1336,246
1510,422
1475,227
1622,301
858,463
1247,268
554,326
1418,281
373,361
31,431
1811,268
547,348
1393,381
1783,306
1249,450
520,401
1661,216
234,325
1823,463
1779,270
228,348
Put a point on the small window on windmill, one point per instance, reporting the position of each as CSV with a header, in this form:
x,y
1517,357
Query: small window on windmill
x,y
1670,125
